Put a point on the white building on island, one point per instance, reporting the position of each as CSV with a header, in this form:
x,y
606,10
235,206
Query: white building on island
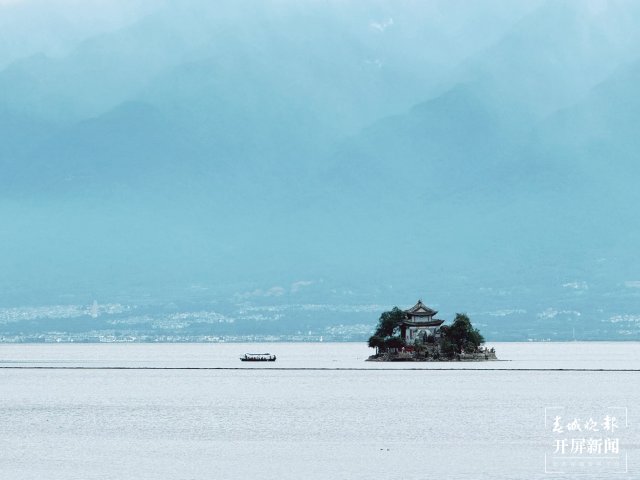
x,y
419,324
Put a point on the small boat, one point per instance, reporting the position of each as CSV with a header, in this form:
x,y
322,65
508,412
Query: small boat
x,y
258,357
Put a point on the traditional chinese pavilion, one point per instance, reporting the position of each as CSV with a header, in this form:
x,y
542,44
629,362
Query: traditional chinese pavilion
x,y
419,323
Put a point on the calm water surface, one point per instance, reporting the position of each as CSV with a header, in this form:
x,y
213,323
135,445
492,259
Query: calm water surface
x,y
266,421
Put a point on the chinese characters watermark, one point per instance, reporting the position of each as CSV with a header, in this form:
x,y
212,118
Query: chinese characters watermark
x,y
587,443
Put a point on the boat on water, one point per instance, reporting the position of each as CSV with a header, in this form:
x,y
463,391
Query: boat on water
x,y
258,357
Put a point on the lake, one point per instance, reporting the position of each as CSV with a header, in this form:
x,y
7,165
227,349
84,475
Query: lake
x,y
194,411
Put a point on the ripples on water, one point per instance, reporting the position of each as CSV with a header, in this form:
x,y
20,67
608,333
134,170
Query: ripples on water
x,y
263,422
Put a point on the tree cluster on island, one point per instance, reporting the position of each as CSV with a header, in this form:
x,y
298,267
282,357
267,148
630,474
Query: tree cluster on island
x,y
451,341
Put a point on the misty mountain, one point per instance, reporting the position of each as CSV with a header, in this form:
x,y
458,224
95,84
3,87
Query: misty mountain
x,y
55,27
483,155
552,57
94,77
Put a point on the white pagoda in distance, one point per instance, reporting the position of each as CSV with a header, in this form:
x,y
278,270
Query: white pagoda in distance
x,y
419,324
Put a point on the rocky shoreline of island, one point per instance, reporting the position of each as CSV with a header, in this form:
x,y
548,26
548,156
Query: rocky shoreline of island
x,y
482,355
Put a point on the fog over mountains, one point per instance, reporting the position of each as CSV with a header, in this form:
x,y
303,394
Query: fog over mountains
x,y
239,169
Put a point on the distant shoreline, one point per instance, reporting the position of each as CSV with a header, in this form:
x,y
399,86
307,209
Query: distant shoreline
x,y
205,342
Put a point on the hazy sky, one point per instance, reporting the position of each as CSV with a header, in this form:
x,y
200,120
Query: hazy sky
x,y
481,151
54,27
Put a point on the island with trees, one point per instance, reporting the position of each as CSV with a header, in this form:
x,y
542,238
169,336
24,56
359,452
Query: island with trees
x,y
415,335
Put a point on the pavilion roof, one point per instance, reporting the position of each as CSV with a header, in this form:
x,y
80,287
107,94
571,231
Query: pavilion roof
x,y
421,310
426,323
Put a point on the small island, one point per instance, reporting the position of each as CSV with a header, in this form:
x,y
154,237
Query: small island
x,y
414,335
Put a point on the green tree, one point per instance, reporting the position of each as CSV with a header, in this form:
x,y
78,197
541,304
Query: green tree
x,y
394,342
461,335
376,342
389,322
387,329
448,348
420,349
